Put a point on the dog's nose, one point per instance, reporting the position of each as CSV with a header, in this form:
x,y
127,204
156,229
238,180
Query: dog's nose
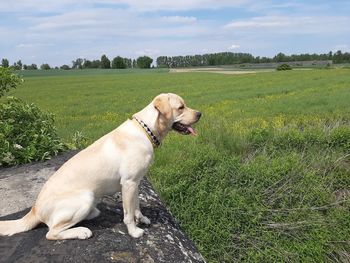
x,y
199,114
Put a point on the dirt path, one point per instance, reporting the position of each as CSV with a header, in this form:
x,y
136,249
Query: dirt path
x,y
218,70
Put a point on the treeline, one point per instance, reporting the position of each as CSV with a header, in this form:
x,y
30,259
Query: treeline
x,y
229,58
82,63
215,59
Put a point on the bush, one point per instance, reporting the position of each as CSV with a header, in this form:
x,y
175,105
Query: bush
x,y
284,67
78,141
8,80
26,133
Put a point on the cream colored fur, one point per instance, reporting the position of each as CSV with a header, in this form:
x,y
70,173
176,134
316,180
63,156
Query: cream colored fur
x,y
116,162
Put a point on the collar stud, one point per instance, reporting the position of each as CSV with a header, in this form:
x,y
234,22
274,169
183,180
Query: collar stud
x,y
154,140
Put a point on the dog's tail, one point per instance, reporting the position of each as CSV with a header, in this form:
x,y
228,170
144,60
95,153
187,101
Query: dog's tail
x,y
11,227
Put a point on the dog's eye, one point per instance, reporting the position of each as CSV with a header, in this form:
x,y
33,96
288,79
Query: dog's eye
x,y
181,107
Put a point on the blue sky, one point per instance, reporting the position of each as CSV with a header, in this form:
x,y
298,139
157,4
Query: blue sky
x,y
58,31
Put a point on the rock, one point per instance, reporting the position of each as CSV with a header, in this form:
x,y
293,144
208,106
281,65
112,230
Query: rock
x,y
163,240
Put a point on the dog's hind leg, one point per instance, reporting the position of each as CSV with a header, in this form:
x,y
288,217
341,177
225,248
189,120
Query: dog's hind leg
x,y
93,213
68,213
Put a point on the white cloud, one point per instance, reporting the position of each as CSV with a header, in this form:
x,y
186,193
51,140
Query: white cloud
x,y
91,32
270,22
291,24
342,47
172,5
73,20
114,23
179,19
30,45
136,5
234,46
90,28
147,52
37,5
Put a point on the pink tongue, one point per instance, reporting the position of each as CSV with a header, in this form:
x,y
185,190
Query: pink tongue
x,y
191,130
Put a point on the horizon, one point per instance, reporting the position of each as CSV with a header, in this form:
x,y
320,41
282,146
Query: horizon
x,y
58,32
154,63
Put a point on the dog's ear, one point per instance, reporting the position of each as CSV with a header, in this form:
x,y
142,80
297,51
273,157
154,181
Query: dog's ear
x,y
162,104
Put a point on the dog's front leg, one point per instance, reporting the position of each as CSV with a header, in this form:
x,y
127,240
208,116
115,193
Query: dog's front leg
x,y
129,192
140,218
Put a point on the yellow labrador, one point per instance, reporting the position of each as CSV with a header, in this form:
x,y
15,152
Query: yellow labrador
x,y
115,162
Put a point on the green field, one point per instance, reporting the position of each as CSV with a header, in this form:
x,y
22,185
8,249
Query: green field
x,y
268,177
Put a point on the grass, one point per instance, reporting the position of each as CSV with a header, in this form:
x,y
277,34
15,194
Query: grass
x,y
88,72
268,177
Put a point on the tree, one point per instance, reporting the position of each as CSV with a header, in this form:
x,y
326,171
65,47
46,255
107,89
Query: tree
x,y
162,62
280,57
87,63
144,62
223,58
118,62
338,57
32,67
105,62
96,64
65,67
330,55
17,65
128,62
20,65
8,80
78,63
5,63
45,66
134,65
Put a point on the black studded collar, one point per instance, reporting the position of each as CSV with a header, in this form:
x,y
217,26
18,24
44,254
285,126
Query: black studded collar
x,y
154,140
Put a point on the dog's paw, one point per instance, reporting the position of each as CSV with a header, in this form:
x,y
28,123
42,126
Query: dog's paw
x,y
145,220
141,219
83,233
136,232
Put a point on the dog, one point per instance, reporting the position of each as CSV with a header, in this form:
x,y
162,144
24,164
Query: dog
x,y
115,162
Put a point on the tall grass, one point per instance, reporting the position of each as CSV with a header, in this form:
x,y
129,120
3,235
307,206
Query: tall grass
x,y
268,177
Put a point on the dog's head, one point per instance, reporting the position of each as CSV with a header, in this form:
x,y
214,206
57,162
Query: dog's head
x,y
174,113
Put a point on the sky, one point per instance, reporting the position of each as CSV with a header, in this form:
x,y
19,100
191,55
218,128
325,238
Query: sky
x,y
58,31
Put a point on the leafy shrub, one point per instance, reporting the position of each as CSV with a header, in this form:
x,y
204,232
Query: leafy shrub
x,y
26,133
78,141
284,67
8,80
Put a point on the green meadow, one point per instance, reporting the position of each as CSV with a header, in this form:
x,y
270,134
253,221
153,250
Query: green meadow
x,y
268,177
